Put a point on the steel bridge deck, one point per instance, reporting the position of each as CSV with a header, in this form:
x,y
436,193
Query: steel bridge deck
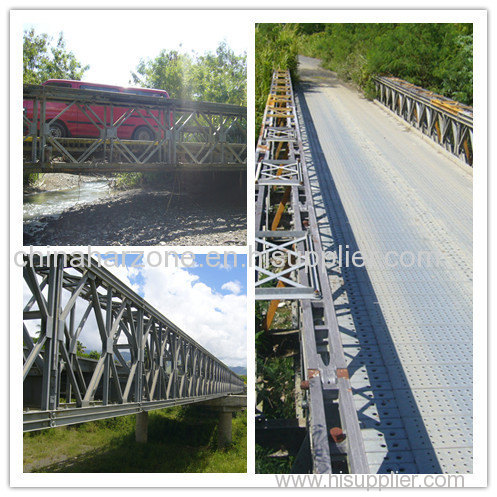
x,y
407,331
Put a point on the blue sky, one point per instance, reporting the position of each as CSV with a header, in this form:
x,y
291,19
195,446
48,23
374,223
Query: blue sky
x,y
235,269
215,272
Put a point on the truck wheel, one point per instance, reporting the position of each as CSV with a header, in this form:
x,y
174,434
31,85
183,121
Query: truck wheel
x,y
143,133
58,130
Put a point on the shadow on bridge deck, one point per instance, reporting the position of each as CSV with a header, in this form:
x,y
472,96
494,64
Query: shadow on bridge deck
x,y
375,368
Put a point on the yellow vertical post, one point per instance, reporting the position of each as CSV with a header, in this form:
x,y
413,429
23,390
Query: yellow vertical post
x,y
273,306
437,127
281,209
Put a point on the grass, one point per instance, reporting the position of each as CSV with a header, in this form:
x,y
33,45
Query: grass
x,y
126,181
180,440
266,464
31,179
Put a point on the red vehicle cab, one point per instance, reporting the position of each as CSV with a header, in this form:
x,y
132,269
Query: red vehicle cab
x,y
76,123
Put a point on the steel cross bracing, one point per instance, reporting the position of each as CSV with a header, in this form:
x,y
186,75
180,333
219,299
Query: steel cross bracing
x,y
146,362
445,121
286,226
187,134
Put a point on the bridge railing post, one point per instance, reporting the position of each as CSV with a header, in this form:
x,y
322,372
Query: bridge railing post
x,y
34,131
174,139
51,373
43,129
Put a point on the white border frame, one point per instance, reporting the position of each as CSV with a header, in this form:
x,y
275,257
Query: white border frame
x,y
479,18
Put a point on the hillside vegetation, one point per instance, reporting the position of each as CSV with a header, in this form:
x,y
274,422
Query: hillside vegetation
x,y
180,440
436,56
275,47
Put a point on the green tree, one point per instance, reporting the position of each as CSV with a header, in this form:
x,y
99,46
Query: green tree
x,y
80,348
170,71
42,59
309,28
220,76
213,77
436,56
275,48
455,70
93,355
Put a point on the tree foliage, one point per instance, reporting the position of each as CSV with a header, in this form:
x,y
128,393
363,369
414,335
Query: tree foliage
x,y
275,48
81,351
214,77
436,56
43,59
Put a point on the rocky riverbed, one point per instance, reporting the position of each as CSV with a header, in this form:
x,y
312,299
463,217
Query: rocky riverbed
x,y
141,217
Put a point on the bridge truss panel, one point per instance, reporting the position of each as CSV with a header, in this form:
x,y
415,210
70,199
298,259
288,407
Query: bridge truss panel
x,y
448,123
145,361
290,266
185,133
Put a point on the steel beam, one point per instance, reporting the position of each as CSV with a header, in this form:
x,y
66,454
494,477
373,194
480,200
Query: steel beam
x,y
163,362
447,122
200,134
286,224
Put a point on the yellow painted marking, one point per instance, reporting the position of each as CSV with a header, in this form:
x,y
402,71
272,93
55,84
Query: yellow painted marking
x,y
273,307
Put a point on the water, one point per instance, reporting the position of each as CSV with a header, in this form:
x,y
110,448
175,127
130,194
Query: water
x,y
53,203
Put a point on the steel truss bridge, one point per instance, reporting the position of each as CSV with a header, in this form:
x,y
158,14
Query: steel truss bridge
x,y
285,223
187,135
146,362
448,123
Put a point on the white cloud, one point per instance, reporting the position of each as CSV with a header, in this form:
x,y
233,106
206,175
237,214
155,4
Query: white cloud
x,y
218,322
125,274
233,287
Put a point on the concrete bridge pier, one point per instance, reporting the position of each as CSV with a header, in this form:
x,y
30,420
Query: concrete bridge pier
x,y
226,406
224,428
141,428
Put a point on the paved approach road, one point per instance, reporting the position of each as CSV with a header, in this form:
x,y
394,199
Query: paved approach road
x,y
407,331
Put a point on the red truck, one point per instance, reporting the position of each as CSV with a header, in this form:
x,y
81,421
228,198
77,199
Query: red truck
x,y
75,123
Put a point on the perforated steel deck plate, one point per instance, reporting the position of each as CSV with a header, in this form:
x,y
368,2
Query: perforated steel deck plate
x,y
407,332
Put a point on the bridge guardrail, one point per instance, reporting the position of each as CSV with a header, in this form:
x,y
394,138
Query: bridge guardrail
x,y
146,361
448,123
286,223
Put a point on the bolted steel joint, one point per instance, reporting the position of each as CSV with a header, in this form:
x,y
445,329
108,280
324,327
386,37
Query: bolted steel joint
x,y
312,373
337,434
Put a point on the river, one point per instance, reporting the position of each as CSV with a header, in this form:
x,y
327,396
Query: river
x,y
51,204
